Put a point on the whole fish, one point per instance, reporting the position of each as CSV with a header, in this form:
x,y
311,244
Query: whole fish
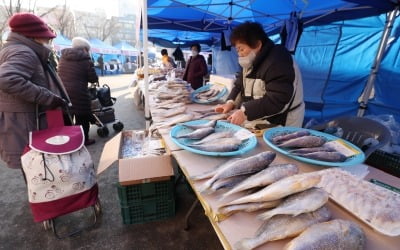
x,y
170,113
311,150
223,145
226,183
197,134
282,227
244,166
226,211
209,124
282,188
281,138
306,141
303,202
331,235
211,173
175,120
265,177
213,136
325,156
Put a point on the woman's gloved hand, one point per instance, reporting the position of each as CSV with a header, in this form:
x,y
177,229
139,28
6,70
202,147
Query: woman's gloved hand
x,y
238,117
224,108
57,102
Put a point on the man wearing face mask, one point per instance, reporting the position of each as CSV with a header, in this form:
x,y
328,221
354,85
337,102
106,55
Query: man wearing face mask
x,y
269,88
196,68
27,84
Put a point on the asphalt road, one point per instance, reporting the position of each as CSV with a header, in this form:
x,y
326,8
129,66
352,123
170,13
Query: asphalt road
x,y
18,231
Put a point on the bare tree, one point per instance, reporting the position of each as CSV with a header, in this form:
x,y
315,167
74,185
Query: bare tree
x,y
103,29
62,18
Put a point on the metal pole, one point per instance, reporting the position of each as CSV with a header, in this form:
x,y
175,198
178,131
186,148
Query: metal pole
x,y
146,64
378,58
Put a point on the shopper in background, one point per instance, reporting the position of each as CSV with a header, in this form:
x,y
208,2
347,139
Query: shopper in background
x,y
76,69
196,68
27,84
167,61
270,86
100,62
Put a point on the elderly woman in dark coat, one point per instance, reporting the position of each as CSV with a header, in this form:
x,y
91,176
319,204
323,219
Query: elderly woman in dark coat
x,y
196,68
76,69
26,84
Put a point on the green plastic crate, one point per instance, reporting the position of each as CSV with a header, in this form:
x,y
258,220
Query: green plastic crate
x,y
389,163
148,210
140,192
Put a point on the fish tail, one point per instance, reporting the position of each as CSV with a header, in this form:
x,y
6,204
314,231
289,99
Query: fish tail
x,y
244,244
266,215
207,185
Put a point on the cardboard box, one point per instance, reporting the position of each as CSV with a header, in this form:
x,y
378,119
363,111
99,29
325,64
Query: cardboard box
x,y
138,169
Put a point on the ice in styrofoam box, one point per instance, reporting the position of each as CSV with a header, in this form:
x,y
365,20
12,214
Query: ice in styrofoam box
x,y
130,146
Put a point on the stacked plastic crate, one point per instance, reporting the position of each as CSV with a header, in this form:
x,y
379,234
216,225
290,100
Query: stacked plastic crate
x,y
147,202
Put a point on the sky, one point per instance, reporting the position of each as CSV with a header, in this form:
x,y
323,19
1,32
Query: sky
x,y
109,6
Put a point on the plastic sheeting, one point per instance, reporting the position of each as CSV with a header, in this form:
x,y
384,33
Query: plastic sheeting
x,y
335,61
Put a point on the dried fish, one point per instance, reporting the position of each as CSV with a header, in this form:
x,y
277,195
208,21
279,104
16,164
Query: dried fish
x,y
170,113
265,177
247,165
197,134
211,173
222,145
284,137
306,141
282,188
311,150
282,227
303,202
175,120
331,235
325,156
203,125
226,211
227,183
213,136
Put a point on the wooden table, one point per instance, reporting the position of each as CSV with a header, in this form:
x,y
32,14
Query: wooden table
x,y
242,225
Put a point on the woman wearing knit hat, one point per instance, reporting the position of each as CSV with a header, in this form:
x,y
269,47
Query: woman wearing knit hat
x,y
76,69
26,82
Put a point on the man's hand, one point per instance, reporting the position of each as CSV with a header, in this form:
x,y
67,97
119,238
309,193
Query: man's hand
x,y
238,117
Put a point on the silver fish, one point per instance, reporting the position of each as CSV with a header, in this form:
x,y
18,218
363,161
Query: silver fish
x,y
171,112
325,156
197,134
265,177
331,235
213,136
247,165
282,188
211,173
282,227
223,145
226,211
281,138
227,183
303,202
306,141
311,150
210,124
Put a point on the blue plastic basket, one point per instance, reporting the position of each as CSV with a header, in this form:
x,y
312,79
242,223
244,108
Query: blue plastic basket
x,y
205,88
352,160
179,129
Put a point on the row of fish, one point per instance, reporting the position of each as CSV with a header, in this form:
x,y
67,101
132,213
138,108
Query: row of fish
x,y
294,202
207,94
303,143
205,137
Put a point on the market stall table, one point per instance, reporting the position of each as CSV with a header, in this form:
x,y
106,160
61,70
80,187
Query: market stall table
x,y
244,225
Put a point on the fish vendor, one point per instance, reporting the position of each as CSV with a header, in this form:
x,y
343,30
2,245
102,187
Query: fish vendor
x,y
269,88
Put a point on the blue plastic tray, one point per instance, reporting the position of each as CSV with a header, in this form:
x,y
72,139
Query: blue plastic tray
x,y
177,130
205,88
352,160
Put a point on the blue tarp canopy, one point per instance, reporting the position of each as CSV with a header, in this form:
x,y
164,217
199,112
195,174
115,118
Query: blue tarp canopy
x,y
174,38
61,42
126,49
98,46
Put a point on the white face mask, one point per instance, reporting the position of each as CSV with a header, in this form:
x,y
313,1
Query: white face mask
x,y
194,53
247,61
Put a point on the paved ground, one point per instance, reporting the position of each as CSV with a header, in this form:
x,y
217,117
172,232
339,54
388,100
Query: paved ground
x,y
18,231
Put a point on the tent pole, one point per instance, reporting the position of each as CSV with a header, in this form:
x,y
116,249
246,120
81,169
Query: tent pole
x,y
146,64
377,61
